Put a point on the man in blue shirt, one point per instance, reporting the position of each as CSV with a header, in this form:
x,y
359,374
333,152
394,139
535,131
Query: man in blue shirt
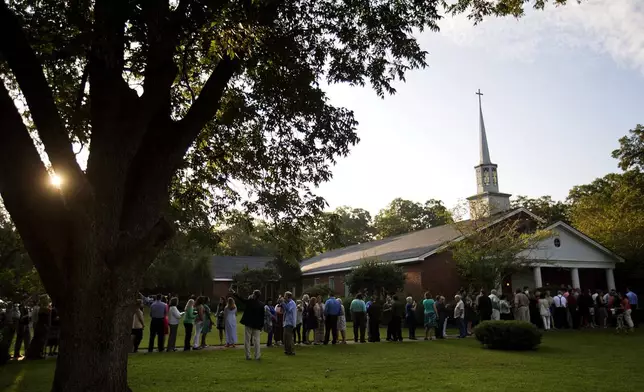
x,y
332,310
633,300
290,320
158,311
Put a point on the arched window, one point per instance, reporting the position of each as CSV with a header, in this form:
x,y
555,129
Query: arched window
x,y
557,242
495,180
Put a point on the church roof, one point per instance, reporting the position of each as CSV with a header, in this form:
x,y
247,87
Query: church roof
x,y
404,248
222,268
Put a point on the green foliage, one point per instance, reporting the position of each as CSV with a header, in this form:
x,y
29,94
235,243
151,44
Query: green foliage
x,y
404,216
631,150
318,289
549,210
342,227
18,277
376,277
487,255
611,211
508,335
254,279
477,10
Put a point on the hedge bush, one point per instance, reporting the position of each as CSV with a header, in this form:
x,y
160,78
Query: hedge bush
x,y
508,335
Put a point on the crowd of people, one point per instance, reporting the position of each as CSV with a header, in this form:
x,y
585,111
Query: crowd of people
x,y
314,321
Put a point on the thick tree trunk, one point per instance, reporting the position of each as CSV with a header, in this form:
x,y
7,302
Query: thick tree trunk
x,y
95,332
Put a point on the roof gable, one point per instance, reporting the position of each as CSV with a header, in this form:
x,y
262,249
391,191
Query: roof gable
x,y
223,268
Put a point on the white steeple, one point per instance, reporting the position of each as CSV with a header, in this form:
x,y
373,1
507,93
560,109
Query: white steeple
x,y
488,200
485,152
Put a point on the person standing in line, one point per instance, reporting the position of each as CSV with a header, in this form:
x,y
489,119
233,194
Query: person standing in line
x,y
319,315
544,311
166,324
496,309
342,323
358,310
633,302
310,321
278,322
252,320
189,316
484,305
221,306
138,323
230,320
601,312
522,303
298,322
207,322
386,317
158,311
551,308
290,320
331,313
196,345
410,317
397,314
459,316
269,321
174,317
430,313
305,315
560,303
505,309
374,313
23,333
441,312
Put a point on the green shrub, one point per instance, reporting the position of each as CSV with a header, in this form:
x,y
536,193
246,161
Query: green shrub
x,y
508,335
318,289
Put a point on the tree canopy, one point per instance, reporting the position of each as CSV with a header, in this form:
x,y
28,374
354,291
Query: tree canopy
x,y
544,207
631,150
404,216
374,277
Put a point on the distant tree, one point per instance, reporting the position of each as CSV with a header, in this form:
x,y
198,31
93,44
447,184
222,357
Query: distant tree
x,y
322,290
336,229
549,210
376,277
254,279
486,256
631,150
403,216
611,211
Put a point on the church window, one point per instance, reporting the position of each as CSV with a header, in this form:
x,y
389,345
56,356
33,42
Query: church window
x,y
486,176
557,242
495,181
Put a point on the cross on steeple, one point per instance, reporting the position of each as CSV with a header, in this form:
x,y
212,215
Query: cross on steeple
x,y
479,93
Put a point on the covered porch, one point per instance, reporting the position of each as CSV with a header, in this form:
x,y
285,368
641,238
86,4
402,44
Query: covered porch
x,y
593,277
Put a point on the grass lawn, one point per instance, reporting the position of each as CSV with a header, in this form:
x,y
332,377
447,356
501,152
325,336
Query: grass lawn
x,y
582,361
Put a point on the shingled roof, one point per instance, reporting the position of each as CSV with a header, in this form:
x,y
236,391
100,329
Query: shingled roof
x,y
223,268
403,248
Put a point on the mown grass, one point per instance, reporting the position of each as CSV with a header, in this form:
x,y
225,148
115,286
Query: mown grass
x,y
578,360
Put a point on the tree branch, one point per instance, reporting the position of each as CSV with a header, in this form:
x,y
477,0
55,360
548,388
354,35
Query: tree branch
x,y
29,74
35,207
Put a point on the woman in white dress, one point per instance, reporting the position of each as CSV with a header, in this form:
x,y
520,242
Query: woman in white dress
x,y
342,323
230,321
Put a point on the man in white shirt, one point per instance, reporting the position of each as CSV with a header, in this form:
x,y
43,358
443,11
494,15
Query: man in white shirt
x,y
496,309
560,304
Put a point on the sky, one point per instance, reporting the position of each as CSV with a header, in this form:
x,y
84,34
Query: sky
x,y
560,86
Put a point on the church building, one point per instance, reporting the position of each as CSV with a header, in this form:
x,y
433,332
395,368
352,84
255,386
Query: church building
x,y
568,257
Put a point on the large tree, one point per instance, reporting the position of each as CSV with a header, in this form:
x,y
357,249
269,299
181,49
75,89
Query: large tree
x,y
190,99
341,227
544,207
403,216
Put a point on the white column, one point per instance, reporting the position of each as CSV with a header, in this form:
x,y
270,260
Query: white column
x,y
610,279
537,277
574,273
